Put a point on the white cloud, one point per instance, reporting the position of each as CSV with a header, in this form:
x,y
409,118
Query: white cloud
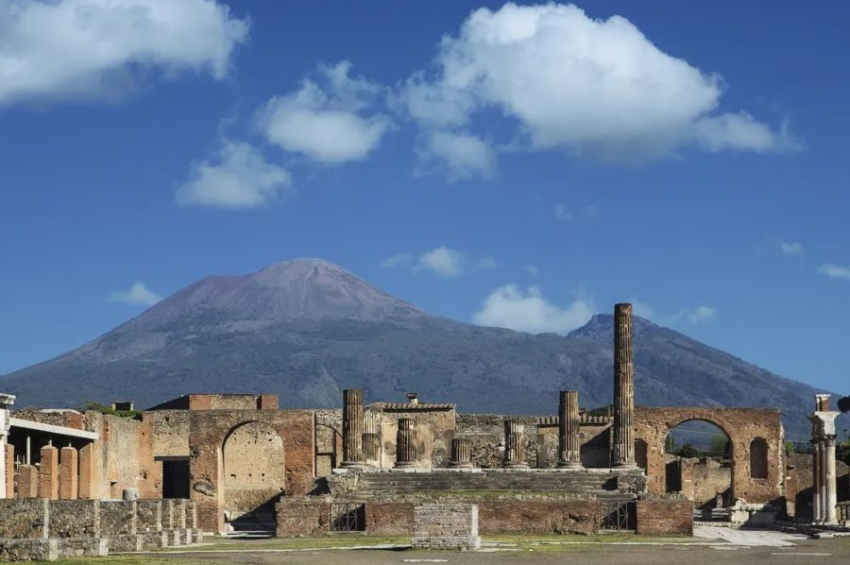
x,y
695,316
442,261
642,309
564,214
532,270
462,156
327,123
399,260
137,295
239,178
597,87
528,311
793,248
69,48
834,271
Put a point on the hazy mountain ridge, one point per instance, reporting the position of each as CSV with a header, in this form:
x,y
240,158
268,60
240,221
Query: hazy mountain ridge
x,y
306,329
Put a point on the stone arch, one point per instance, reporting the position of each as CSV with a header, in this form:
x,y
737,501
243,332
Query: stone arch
x,y
759,458
253,469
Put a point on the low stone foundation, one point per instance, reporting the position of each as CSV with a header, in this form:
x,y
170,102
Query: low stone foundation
x,y
446,526
46,530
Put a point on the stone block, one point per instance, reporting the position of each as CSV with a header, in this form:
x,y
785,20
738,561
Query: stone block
x,y
123,543
24,518
191,514
117,517
68,472
149,515
29,549
9,462
297,518
176,537
154,539
446,526
74,519
88,472
27,481
49,473
82,547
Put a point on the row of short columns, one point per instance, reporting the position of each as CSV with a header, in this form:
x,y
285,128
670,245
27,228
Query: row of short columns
x,y
62,474
354,437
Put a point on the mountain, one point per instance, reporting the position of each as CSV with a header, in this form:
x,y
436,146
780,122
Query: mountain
x,y
306,329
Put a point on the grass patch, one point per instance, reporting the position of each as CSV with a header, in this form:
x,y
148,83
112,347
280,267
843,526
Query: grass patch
x,y
126,560
345,540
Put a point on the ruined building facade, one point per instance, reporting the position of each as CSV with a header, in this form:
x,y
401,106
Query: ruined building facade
x,y
242,459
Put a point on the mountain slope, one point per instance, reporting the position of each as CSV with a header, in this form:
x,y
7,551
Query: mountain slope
x,y
306,329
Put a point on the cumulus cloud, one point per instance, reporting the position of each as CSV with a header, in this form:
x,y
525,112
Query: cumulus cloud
x,y
529,311
642,309
834,271
695,316
442,261
570,82
399,260
137,295
792,248
462,156
239,177
87,47
328,121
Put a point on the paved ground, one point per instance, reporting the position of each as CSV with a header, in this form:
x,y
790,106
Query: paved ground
x,y
712,546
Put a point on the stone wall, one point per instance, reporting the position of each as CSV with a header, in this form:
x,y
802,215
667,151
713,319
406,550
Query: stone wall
x,y
74,518
741,425
703,479
296,518
446,526
433,430
803,480
539,516
208,433
389,518
23,518
664,517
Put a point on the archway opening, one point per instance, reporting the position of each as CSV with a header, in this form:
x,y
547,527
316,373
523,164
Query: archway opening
x,y
254,475
699,464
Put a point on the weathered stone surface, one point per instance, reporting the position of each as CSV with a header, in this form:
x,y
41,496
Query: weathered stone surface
x,y
82,547
121,543
74,518
624,388
569,421
29,549
302,518
446,526
405,444
68,473
148,515
117,518
352,427
664,517
515,444
28,481
27,518
389,518
48,475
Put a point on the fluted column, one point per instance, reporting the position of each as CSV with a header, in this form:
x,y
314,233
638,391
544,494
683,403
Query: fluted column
x,y
515,445
816,481
461,453
624,388
569,444
404,450
830,491
371,441
352,427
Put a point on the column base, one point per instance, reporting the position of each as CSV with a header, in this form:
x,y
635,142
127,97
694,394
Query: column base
x,y
570,466
455,465
354,465
404,464
517,466
625,466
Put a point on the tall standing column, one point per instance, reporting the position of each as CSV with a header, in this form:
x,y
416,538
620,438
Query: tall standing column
x,y
352,427
830,492
569,444
6,400
624,388
816,481
404,450
461,453
371,439
515,445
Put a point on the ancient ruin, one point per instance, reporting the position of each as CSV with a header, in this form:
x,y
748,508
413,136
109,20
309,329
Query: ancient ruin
x,y
226,464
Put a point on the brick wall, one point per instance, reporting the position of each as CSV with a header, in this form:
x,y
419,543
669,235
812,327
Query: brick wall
x,y
446,526
664,517
297,518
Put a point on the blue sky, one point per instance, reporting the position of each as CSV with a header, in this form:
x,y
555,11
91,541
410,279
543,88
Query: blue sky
x,y
522,166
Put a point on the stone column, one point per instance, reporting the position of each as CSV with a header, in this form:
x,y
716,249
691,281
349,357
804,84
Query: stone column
x,y
371,439
624,388
404,450
830,488
6,400
88,472
461,453
569,443
27,481
352,428
816,482
515,445
68,471
10,470
48,475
